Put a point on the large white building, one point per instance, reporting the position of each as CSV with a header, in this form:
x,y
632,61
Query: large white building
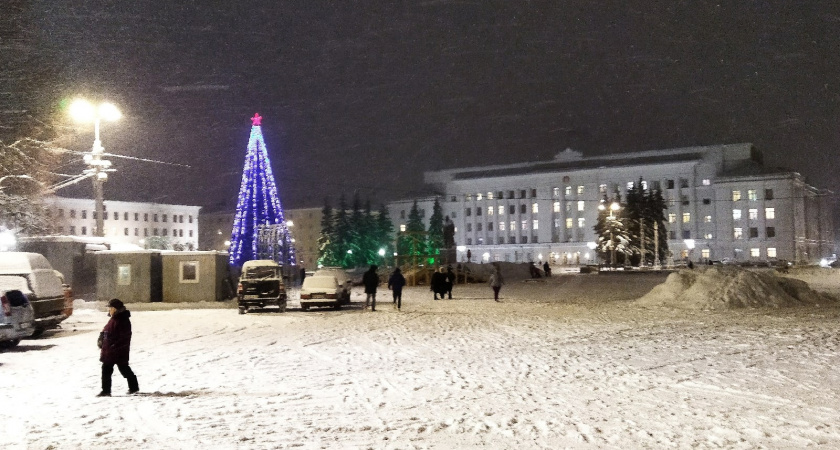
x,y
126,222
722,203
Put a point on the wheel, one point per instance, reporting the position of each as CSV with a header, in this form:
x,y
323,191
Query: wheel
x,y
304,307
241,310
38,332
9,344
338,305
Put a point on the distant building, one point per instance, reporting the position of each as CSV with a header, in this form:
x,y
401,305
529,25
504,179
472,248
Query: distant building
x,y
304,224
722,203
127,222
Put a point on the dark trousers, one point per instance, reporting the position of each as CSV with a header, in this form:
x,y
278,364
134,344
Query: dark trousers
x,y
448,291
108,370
398,297
371,300
496,290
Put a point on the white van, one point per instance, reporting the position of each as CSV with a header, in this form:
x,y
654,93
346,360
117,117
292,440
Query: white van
x,y
32,274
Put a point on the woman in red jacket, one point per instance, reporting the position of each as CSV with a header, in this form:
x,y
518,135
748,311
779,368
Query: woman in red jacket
x,y
115,344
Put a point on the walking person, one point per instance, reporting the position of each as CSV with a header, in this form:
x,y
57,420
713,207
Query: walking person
x,y
115,344
371,280
496,281
547,269
395,284
450,281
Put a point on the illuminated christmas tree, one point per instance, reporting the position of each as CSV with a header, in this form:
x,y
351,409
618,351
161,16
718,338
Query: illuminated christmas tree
x,y
259,229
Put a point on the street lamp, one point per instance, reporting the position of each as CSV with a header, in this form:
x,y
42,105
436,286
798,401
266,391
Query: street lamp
x,y
85,112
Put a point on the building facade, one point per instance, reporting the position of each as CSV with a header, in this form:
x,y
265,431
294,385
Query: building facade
x,y
127,222
722,203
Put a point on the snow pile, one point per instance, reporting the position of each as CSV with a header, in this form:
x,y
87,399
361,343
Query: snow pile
x,y
727,287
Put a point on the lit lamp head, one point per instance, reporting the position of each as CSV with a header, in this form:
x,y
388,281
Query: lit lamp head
x,y
84,111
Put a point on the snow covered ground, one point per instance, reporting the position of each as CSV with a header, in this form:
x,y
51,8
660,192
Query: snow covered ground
x,y
567,363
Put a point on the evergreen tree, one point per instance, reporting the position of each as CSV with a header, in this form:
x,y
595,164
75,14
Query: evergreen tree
x,y
326,250
355,242
645,208
656,210
612,232
412,243
343,234
385,232
368,236
435,236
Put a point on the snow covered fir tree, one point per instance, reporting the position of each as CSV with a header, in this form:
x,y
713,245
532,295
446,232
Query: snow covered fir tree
x,y
259,229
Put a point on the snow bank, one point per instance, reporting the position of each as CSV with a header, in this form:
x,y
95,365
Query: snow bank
x,y
727,287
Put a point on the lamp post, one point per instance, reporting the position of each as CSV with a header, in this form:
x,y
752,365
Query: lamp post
x,y
84,111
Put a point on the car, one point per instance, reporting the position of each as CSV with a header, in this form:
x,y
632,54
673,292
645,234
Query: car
x,y
321,290
17,318
343,280
261,284
33,275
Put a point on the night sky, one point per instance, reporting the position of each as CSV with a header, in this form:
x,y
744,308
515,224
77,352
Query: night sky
x,y
366,95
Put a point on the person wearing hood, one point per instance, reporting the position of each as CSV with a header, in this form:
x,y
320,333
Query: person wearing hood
x,y
371,280
115,345
395,284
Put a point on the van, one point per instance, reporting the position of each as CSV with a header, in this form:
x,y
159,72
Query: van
x,y
32,274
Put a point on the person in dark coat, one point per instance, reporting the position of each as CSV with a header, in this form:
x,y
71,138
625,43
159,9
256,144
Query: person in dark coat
x,y
371,280
395,284
115,344
547,269
438,283
450,281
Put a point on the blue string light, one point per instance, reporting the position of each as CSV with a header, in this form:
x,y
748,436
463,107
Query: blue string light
x,y
258,205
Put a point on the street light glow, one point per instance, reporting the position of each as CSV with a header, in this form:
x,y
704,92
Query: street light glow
x,y
84,111
381,252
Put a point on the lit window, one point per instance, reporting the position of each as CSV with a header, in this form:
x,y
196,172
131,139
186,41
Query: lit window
x,y
739,233
568,190
705,253
706,182
512,225
770,213
555,192
490,210
489,196
736,195
753,213
581,205
581,222
536,225
557,207
479,196
602,188
755,252
708,236
630,185
672,217
644,185
557,223
501,226
535,208
501,209
569,222
402,227
707,219
736,214
751,195
580,190
686,217
771,252
524,224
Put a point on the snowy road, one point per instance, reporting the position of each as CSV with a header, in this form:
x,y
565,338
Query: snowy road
x,y
547,368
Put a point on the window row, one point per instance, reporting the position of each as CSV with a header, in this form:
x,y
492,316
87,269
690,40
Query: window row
x,y
490,195
502,240
500,210
752,195
504,226
752,232
176,218
126,231
752,214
